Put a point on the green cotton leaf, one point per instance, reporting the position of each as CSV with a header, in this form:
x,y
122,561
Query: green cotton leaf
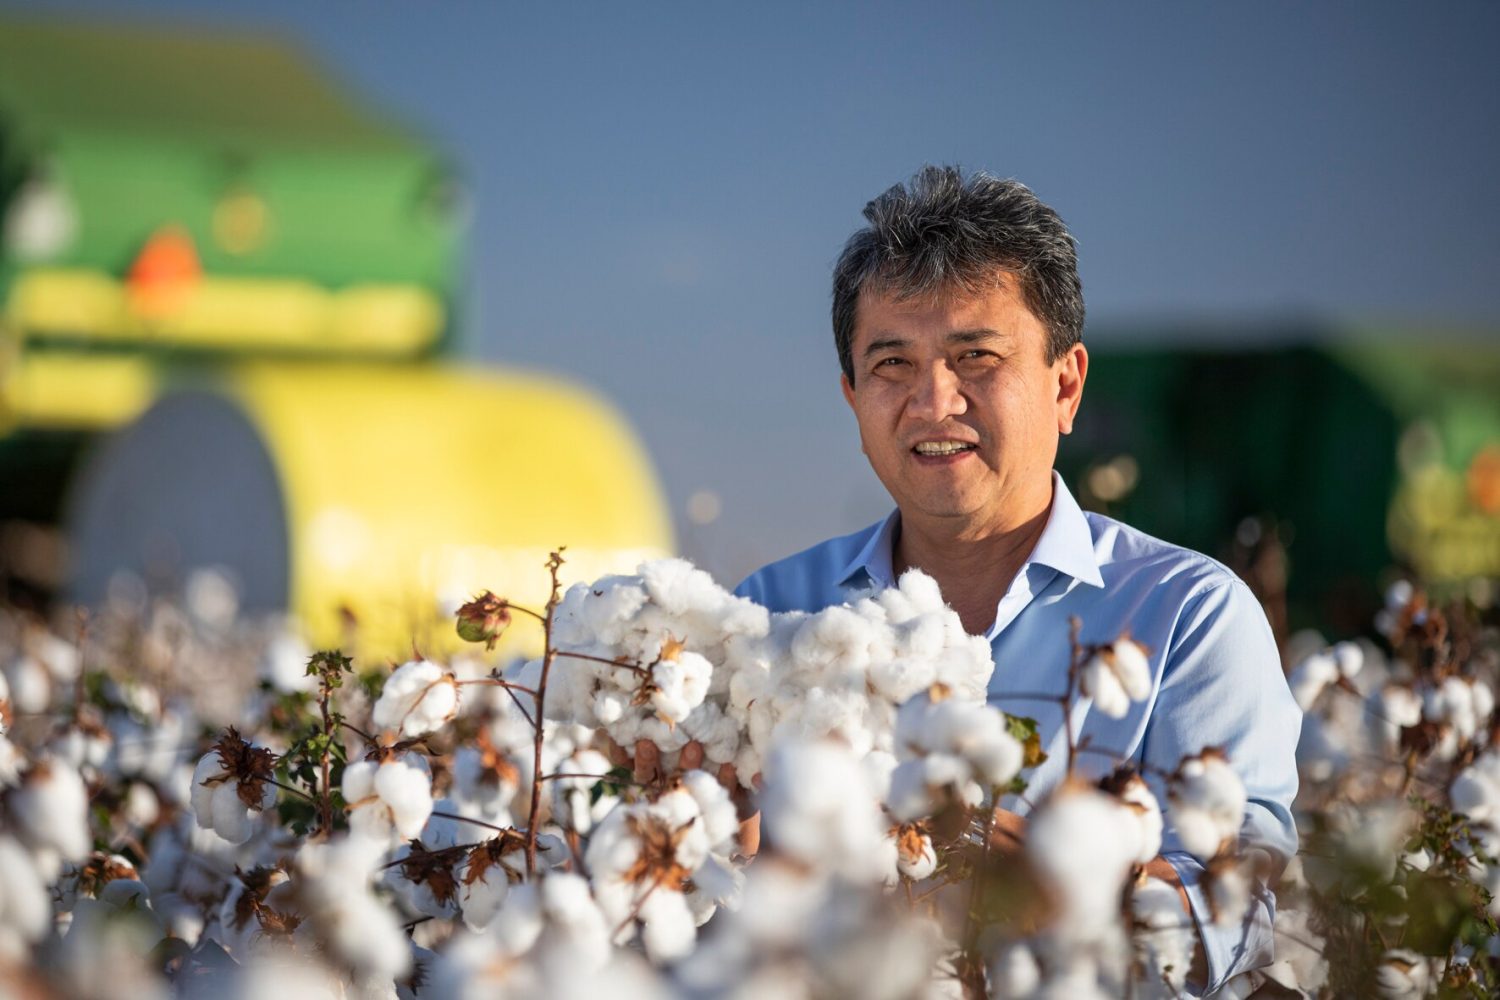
x,y
329,665
611,784
1017,786
1024,729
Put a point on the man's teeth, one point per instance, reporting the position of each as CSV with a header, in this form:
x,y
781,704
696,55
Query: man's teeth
x,y
942,447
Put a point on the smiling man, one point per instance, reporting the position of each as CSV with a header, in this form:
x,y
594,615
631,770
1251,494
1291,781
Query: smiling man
x,y
958,318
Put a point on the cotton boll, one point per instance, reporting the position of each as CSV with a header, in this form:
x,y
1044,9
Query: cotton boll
x,y
1135,795
1311,676
1164,938
817,806
1301,949
1206,802
915,857
1078,822
283,663
50,811
571,805
1100,683
25,904
679,685
417,699
716,810
1402,975
1115,676
667,926
1014,972
390,798
1476,790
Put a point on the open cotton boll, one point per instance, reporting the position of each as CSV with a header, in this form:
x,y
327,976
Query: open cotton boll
x,y
1311,676
1077,823
1402,975
915,857
1014,972
388,798
572,808
1135,795
1115,676
417,699
1476,790
1206,803
50,811
25,903
227,792
342,914
1163,937
283,663
818,807
679,685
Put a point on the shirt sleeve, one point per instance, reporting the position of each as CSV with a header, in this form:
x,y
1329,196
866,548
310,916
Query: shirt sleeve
x,y
1222,686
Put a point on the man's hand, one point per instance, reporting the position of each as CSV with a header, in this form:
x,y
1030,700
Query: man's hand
x,y
646,769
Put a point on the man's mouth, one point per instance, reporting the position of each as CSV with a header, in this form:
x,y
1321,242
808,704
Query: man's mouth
x,y
941,447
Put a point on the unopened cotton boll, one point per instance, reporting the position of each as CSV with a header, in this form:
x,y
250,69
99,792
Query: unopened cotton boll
x,y
417,699
1206,802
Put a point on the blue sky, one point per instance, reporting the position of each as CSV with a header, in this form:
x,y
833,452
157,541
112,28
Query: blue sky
x,y
660,190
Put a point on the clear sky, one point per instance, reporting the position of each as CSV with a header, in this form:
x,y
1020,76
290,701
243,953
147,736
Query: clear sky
x,y
660,189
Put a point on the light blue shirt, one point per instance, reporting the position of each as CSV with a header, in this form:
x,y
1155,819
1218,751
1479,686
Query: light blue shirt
x,y
1216,674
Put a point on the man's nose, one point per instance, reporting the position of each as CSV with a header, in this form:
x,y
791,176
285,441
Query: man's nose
x,y
937,395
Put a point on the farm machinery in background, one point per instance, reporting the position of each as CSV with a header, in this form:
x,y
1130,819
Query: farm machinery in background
x,y
227,314
1316,462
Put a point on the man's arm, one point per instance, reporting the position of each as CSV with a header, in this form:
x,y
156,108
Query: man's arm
x,y
1222,686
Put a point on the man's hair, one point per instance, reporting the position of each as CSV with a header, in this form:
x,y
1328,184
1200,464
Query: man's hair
x,y
945,233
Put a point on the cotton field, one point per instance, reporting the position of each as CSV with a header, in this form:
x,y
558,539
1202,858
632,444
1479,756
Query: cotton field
x,y
686,795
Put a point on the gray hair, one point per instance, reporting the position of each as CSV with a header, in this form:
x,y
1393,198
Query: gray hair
x,y
948,233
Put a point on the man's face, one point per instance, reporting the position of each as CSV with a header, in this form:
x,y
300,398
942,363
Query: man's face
x,y
959,410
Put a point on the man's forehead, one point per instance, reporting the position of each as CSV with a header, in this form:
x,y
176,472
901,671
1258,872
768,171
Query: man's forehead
x,y
959,292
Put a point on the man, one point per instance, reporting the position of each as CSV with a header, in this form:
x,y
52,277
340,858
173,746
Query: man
x,y
958,317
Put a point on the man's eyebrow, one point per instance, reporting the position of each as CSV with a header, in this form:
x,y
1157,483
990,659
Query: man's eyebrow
x,y
976,336
884,344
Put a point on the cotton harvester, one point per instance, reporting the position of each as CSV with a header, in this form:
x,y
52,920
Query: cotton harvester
x,y
226,295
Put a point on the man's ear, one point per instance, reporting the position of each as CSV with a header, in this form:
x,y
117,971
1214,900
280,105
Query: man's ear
x,y
1072,368
848,388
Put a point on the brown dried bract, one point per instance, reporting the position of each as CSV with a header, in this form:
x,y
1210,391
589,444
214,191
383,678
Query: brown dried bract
x,y
100,870
250,767
491,854
251,905
433,869
657,862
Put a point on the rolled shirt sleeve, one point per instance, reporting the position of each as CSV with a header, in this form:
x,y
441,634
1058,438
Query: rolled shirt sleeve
x,y
1222,686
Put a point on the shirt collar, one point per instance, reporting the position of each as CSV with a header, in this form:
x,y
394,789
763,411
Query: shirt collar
x,y
1066,545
